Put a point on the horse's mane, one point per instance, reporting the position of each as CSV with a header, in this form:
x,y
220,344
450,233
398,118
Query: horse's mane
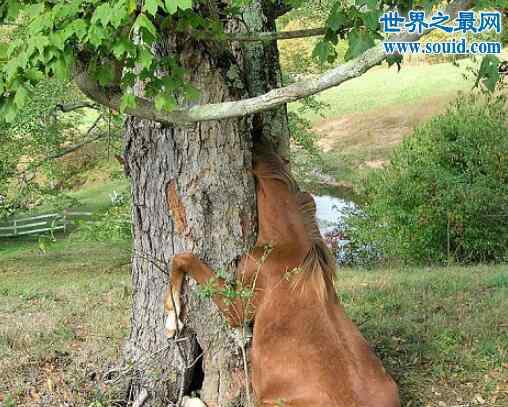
x,y
318,268
274,168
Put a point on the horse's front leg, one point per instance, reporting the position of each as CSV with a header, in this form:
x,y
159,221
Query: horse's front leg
x,y
180,265
232,309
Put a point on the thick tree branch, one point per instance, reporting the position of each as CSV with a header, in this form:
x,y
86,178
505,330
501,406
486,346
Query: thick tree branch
x,y
274,36
145,109
75,106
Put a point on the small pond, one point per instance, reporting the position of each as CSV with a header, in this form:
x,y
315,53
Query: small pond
x,y
330,211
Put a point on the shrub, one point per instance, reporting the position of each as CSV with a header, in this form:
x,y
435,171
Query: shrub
x,y
444,194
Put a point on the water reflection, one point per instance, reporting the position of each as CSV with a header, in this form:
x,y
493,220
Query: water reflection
x,y
330,211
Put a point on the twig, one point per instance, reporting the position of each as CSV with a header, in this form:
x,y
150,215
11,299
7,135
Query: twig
x,y
75,106
153,261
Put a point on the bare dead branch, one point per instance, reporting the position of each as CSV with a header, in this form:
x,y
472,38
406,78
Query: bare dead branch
x,y
75,147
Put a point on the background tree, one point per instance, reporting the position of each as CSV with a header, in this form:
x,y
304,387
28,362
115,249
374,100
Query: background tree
x,y
201,83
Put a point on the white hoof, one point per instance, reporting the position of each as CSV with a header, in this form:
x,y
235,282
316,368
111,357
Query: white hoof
x,y
171,324
192,402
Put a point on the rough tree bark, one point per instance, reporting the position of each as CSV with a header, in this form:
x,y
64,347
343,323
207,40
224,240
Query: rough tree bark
x,y
192,191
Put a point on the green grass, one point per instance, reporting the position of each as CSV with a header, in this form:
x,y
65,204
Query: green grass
x,y
97,197
442,332
64,316
383,87
92,198
368,116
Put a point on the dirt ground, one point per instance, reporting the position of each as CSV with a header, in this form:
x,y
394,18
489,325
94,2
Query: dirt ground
x,y
369,136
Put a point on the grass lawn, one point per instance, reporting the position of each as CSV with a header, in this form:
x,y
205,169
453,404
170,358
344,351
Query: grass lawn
x,y
383,86
369,116
63,317
442,332
97,197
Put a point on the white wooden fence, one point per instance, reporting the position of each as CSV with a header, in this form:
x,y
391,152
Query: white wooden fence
x,y
42,223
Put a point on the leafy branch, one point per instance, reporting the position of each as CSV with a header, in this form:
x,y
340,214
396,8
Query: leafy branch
x,y
146,109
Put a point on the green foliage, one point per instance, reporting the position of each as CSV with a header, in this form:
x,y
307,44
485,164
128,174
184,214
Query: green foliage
x,y
109,38
488,73
304,140
32,135
35,166
444,195
109,225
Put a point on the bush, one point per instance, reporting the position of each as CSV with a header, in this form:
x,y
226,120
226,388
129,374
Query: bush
x,y
444,194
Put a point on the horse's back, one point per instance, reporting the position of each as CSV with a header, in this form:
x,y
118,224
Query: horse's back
x,y
307,353
372,385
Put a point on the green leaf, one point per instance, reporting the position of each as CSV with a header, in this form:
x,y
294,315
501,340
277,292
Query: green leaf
x,y
171,6
165,102
489,72
120,16
77,27
60,68
96,35
323,51
103,14
372,4
191,93
371,19
121,47
34,75
144,22
151,6
63,10
13,9
9,112
105,74
184,4
57,39
359,42
21,96
336,20
35,10
128,102
132,6
4,48
41,23
145,58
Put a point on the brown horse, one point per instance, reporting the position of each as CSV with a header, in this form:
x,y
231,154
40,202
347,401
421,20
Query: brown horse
x,y
305,351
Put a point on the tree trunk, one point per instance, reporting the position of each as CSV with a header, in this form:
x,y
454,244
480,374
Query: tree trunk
x,y
192,191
